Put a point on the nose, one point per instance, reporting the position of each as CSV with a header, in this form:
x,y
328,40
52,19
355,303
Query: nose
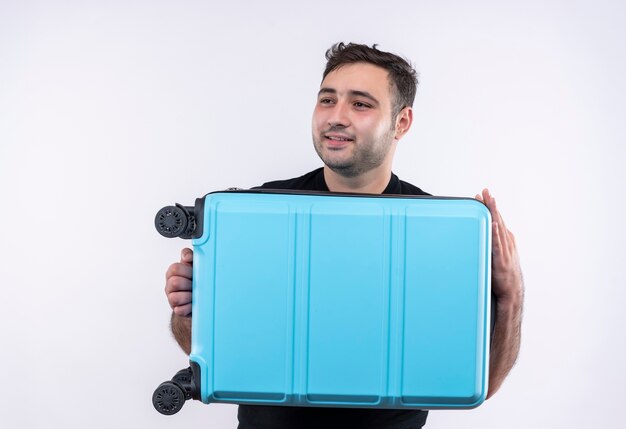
x,y
339,117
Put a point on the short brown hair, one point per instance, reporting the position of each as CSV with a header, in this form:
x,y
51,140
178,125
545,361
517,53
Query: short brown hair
x,y
402,76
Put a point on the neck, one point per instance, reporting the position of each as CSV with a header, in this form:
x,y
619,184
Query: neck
x,y
372,182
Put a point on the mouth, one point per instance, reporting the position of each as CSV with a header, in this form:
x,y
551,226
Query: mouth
x,y
337,139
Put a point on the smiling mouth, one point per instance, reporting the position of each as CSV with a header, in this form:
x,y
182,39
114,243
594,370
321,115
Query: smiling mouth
x,y
338,139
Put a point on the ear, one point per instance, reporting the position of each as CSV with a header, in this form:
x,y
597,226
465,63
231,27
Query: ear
x,y
403,122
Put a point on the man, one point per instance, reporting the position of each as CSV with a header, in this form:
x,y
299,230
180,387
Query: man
x,y
364,107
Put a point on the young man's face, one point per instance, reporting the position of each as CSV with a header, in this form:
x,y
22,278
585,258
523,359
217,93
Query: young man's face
x,y
352,127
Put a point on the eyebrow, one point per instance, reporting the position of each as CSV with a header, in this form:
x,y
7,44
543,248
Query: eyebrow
x,y
352,93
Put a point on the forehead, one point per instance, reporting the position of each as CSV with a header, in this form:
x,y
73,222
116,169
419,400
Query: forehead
x,y
359,77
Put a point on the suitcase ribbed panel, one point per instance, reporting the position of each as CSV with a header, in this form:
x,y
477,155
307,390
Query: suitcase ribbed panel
x,y
355,301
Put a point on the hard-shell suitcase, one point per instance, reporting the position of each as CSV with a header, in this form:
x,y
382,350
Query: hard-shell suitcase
x,y
335,300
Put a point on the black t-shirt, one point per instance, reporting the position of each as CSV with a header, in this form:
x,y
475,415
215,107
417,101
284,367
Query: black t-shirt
x,y
287,417
314,181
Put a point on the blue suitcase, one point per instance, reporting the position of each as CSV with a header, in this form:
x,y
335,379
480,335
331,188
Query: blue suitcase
x,y
334,300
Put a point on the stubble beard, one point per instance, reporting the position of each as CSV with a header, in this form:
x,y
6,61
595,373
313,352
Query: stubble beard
x,y
365,157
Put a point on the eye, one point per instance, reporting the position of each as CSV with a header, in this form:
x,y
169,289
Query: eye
x,y
326,101
361,105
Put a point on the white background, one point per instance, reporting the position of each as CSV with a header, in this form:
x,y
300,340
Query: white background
x,y
110,110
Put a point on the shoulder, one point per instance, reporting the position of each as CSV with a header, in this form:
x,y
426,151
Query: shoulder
x,y
309,181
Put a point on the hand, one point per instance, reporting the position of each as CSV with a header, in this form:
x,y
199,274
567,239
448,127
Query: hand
x,y
506,274
178,284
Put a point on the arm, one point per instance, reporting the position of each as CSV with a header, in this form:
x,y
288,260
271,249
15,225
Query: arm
x,y
178,291
508,287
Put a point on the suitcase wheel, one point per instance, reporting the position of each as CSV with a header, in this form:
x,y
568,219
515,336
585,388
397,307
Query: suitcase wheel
x,y
168,398
171,221
184,378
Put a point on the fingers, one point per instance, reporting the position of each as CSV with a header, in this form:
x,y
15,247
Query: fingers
x,y
178,292
179,270
179,299
505,274
490,201
183,310
493,208
511,237
497,214
502,240
186,256
178,283
496,239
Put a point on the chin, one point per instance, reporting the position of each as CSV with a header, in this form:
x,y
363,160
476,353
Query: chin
x,y
344,167
337,163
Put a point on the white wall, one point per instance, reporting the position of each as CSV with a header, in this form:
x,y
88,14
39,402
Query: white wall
x,y
110,110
